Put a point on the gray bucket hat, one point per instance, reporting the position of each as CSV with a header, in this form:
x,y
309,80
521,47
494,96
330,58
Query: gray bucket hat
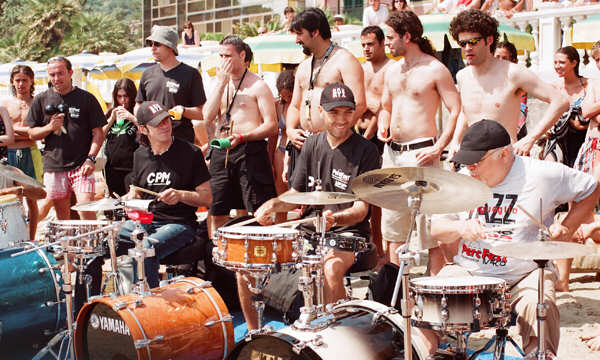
x,y
164,35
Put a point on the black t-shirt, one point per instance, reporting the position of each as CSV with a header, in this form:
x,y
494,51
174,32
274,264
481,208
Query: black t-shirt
x,y
67,151
181,167
121,143
336,168
182,85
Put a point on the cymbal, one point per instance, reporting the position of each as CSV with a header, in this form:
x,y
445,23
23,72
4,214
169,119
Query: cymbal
x,y
99,205
443,191
17,175
317,198
541,250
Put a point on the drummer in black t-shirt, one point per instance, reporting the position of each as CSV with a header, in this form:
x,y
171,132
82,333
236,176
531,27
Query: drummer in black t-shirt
x,y
336,157
175,169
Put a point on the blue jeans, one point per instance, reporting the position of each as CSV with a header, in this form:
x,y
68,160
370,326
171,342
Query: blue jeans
x,y
170,236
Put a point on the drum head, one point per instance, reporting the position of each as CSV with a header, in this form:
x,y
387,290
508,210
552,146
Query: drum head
x,y
4,199
235,231
456,282
105,335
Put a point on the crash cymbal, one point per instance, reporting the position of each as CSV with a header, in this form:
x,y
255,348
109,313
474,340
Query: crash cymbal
x,y
443,191
99,205
317,198
541,250
17,175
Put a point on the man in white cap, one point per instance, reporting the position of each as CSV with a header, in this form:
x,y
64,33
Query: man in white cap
x,y
172,83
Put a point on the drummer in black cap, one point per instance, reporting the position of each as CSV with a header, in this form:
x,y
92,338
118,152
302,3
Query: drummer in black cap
x,y
517,183
331,160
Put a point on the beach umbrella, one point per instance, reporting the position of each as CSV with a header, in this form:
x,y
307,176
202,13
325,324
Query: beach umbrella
x,y
39,69
275,49
585,33
84,60
435,27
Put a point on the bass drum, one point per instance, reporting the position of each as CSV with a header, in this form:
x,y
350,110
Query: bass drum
x,y
31,300
186,319
360,330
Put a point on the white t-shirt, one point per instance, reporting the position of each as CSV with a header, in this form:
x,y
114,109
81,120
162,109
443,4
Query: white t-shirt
x,y
528,181
372,17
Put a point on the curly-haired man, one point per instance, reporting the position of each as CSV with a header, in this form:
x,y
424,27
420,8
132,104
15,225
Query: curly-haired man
x,y
491,88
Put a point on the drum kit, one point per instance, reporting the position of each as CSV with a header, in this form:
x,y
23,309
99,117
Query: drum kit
x,y
186,317
454,306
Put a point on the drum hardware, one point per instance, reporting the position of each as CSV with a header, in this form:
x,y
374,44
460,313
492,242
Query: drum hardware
x,y
260,281
114,276
139,253
14,174
104,204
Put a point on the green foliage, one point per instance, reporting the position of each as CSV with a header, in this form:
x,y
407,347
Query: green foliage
x,y
245,30
218,36
36,30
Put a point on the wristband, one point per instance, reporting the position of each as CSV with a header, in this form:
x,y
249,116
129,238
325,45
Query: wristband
x,y
241,138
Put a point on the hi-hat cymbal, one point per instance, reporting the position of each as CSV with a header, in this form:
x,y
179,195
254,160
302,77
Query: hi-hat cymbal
x,y
99,205
317,198
443,191
541,250
17,175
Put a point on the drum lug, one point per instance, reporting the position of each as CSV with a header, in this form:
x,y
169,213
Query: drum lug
x,y
274,246
202,285
145,342
274,257
225,318
444,312
300,345
53,267
223,243
294,256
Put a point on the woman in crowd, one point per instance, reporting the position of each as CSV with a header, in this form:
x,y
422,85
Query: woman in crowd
x,y
120,132
189,35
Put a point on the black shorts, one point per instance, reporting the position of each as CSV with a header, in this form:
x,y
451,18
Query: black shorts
x,y
294,154
246,183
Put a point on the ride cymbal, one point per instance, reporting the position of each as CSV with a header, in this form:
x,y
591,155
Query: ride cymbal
x,y
542,250
443,191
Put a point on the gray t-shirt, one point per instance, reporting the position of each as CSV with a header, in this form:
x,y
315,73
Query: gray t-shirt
x,y
528,181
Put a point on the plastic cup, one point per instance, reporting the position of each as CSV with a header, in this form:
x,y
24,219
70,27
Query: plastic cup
x,y
222,143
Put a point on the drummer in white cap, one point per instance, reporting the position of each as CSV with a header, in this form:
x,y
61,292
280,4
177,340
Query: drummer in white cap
x,y
516,182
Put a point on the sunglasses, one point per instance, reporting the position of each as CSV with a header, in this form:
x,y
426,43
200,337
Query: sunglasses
x,y
474,41
56,58
187,27
155,44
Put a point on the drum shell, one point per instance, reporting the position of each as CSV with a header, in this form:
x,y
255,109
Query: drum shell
x,y
172,312
13,227
239,250
352,335
460,305
89,244
30,295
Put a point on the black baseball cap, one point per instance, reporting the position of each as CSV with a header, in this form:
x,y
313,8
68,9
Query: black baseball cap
x,y
336,95
151,113
481,137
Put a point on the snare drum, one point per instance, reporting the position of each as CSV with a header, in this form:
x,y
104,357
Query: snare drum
x,y
13,227
31,301
466,303
255,247
91,244
186,319
358,330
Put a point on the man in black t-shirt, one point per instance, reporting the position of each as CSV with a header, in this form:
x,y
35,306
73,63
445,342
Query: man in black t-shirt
x,y
73,138
175,169
172,83
335,157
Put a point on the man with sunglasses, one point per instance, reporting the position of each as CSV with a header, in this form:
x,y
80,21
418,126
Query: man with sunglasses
x,y
516,183
414,88
491,88
72,134
172,83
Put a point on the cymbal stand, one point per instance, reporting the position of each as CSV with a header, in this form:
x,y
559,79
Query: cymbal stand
x,y
139,253
541,307
65,336
114,274
408,259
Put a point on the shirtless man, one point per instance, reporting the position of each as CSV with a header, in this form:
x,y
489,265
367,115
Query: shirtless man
x,y
373,44
24,153
329,64
491,88
242,107
413,91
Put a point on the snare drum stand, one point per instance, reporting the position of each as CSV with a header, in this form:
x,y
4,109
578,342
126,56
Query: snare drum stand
x,y
114,273
311,282
139,253
261,278
407,260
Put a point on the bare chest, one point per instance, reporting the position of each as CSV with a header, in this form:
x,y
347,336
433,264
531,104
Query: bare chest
x,y
414,83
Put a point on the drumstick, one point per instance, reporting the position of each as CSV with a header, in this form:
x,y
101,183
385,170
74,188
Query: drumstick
x,y
505,227
295,222
536,221
242,223
145,190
